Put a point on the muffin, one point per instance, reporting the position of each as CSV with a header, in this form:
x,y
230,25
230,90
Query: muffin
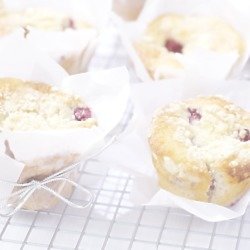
x,y
29,106
201,149
170,38
48,21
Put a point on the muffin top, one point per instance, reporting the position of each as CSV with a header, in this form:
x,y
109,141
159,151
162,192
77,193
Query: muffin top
x,y
42,19
38,106
169,38
183,33
203,132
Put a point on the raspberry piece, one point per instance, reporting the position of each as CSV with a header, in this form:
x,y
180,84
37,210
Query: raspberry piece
x,y
69,23
82,114
173,46
194,115
244,135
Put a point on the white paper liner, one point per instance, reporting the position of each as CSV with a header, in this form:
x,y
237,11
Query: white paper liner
x,y
10,171
75,46
131,152
105,92
200,63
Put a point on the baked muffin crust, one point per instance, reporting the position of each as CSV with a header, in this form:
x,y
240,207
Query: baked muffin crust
x,y
201,149
38,106
39,18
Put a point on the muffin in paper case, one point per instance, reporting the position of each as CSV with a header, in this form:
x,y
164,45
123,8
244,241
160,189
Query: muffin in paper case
x,y
67,30
135,155
185,57
37,154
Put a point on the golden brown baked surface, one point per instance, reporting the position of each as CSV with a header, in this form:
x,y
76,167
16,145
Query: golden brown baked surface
x,y
38,18
170,37
38,106
201,149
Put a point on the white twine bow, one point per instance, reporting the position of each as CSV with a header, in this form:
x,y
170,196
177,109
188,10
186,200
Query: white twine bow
x,y
26,190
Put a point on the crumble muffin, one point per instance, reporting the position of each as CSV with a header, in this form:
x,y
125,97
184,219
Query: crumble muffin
x,y
201,149
29,106
169,38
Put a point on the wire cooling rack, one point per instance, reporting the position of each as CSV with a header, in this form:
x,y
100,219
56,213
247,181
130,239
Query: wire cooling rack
x,y
112,222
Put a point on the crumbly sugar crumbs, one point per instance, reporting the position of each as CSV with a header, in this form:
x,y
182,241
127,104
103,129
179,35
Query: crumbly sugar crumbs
x,y
214,137
29,107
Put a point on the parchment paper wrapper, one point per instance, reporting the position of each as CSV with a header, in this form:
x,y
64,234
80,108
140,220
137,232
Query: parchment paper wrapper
x,y
201,62
132,153
45,152
71,48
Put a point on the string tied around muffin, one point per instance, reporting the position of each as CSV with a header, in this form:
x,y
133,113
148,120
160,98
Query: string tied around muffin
x,y
13,203
8,208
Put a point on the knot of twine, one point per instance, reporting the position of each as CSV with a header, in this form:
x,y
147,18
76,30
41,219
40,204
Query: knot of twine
x,y
26,190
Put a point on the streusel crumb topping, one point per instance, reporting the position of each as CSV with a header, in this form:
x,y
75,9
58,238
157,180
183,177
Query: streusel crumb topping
x,y
29,106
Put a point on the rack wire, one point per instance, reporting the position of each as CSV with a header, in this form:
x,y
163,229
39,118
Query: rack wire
x,y
112,222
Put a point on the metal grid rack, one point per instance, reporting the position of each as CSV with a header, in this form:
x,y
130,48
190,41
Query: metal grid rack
x,y
112,222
